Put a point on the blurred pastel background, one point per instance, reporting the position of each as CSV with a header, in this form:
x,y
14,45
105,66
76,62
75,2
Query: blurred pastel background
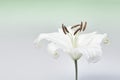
x,y
21,21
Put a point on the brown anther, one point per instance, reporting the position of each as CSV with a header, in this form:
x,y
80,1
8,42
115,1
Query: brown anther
x,y
84,26
80,28
66,29
74,26
76,31
81,24
63,28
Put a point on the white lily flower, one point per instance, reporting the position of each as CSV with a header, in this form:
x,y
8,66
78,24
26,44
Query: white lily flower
x,y
72,41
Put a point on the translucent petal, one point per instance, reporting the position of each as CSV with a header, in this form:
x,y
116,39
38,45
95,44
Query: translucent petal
x,y
74,53
85,39
90,39
97,39
61,40
92,54
53,49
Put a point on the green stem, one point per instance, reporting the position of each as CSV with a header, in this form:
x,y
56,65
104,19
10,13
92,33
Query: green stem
x,y
76,70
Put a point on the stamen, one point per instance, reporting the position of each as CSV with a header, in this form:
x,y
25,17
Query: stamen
x,y
66,29
84,26
63,28
81,24
75,26
81,27
76,31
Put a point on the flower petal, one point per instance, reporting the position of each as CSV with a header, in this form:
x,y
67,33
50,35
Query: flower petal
x,y
84,39
92,54
74,53
97,39
60,39
91,39
53,49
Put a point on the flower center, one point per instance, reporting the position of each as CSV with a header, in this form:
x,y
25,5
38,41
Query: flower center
x,y
74,36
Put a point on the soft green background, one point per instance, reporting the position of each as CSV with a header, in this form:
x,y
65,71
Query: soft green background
x,y
26,18
26,14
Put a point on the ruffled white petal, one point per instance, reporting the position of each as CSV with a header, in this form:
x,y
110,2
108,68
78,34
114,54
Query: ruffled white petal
x,y
97,39
89,45
92,54
85,39
91,39
54,50
61,40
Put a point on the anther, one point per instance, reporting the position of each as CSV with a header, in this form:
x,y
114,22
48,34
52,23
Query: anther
x,y
63,28
66,29
81,24
75,26
81,27
84,26
76,31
